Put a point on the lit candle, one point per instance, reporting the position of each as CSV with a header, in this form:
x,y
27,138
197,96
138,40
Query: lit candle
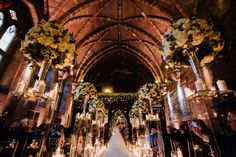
x,y
213,88
188,92
222,85
199,85
56,88
179,153
56,91
20,86
41,86
51,94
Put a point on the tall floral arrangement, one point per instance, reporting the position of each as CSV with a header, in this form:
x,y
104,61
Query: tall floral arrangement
x,y
191,36
49,41
138,109
141,105
85,90
134,112
97,105
151,92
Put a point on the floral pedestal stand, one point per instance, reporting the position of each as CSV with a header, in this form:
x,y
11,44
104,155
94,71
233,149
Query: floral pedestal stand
x,y
196,71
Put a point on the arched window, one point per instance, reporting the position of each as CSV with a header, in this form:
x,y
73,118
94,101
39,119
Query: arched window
x,y
1,19
7,37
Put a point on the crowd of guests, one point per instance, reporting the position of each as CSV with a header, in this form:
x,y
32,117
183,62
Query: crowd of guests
x,y
195,139
33,139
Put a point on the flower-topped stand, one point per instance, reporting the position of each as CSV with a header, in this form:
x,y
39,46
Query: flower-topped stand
x,y
151,93
150,105
97,108
194,63
87,92
85,104
48,45
194,42
46,63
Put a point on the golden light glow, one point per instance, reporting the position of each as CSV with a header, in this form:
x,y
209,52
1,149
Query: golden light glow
x,y
166,66
107,89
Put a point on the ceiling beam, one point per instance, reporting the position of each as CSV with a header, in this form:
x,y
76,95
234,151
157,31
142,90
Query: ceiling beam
x,y
116,41
69,13
111,26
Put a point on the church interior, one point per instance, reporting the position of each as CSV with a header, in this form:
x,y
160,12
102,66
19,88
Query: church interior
x,y
109,78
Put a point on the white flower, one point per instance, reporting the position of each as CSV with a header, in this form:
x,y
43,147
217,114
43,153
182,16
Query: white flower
x,y
218,47
190,35
51,40
85,90
150,92
197,39
206,59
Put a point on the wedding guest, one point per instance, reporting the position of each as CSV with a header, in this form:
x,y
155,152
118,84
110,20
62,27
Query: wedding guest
x,y
227,137
183,135
171,131
203,140
153,141
230,139
232,120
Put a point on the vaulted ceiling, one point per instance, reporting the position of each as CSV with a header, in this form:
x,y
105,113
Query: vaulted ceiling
x,y
136,26
123,35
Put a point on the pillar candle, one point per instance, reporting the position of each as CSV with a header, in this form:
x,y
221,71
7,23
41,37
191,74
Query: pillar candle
x,y
51,94
56,88
20,86
56,91
41,86
199,85
222,85
188,92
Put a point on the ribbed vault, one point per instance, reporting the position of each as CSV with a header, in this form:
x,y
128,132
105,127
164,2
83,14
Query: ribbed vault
x,y
104,29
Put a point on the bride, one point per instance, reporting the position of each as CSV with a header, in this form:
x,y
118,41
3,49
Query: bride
x,y
116,146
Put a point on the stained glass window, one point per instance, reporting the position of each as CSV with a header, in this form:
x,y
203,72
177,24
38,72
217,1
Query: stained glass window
x,y
7,37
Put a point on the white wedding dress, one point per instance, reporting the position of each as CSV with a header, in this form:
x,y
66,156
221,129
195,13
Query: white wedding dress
x,y
116,146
